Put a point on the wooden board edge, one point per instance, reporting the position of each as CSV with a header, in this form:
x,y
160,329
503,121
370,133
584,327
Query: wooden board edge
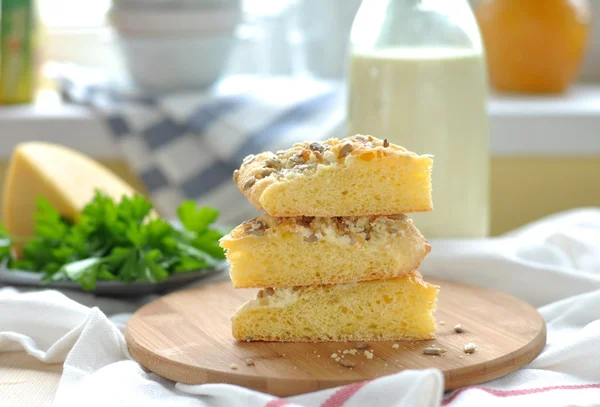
x,y
271,385
462,378
181,372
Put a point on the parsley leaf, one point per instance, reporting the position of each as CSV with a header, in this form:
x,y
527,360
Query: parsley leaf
x,y
82,271
196,219
118,241
48,222
5,244
208,242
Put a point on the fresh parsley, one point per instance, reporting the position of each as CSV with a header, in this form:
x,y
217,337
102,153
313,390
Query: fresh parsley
x,y
121,241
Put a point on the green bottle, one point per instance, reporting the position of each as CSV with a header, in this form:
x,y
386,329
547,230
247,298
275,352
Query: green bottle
x,y
17,54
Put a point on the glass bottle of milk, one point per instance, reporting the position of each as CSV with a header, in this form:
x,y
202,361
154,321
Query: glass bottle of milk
x,y
417,77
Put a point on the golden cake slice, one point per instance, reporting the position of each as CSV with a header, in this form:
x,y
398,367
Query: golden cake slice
x,y
297,251
355,176
386,310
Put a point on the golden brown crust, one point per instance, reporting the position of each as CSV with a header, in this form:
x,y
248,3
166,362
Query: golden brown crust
x,y
306,156
306,161
357,229
334,280
398,309
298,251
414,276
345,338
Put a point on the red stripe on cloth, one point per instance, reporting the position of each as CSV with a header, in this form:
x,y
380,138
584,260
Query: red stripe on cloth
x,y
338,398
521,392
277,403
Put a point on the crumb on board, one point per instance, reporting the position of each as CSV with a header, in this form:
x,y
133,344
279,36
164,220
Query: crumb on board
x,y
470,347
334,355
362,345
368,354
395,346
249,362
233,366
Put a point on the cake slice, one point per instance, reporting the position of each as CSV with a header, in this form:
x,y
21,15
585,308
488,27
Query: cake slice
x,y
298,251
396,309
355,176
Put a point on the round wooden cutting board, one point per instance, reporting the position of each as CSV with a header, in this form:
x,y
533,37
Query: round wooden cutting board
x,y
186,337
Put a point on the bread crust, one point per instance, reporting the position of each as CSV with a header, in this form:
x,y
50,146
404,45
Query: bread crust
x,y
401,309
300,251
358,175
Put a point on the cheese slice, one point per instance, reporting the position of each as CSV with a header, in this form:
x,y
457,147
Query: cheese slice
x,y
64,177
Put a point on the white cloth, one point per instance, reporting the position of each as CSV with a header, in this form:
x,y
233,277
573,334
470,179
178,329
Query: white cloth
x,y
554,263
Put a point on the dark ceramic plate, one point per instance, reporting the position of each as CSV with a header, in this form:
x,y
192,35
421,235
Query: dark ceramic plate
x,y
109,288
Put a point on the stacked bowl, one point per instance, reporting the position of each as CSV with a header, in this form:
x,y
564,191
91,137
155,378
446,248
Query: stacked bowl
x,y
173,45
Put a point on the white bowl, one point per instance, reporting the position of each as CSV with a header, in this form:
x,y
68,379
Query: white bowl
x,y
174,64
176,4
174,22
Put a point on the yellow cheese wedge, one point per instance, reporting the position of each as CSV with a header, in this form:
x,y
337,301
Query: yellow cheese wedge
x,y
64,177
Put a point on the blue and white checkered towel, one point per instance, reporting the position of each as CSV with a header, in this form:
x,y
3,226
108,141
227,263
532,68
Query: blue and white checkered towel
x,y
186,146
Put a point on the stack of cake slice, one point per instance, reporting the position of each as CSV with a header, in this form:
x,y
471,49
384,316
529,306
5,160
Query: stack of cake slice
x,y
334,254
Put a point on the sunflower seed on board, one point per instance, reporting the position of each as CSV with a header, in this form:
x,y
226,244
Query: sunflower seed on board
x,y
362,345
346,363
433,351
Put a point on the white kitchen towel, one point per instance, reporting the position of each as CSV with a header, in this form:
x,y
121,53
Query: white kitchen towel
x,y
554,263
